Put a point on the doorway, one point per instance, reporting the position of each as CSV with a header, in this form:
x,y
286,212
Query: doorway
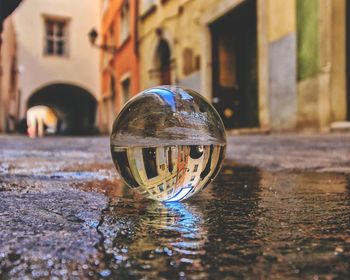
x,y
234,61
163,62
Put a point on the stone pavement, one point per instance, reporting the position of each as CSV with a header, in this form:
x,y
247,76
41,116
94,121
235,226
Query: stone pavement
x,y
48,207
53,192
318,152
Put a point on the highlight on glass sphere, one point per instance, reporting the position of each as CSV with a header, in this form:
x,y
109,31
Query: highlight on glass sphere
x,y
168,143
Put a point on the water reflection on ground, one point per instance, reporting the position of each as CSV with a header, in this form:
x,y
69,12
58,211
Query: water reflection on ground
x,y
249,223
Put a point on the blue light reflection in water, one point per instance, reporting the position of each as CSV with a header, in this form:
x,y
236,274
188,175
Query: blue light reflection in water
x,y
184,219
181,221
189,224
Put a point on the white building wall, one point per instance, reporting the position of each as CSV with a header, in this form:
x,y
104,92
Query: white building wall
x,y
80,67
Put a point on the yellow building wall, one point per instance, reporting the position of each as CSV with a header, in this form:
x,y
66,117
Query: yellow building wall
x,y
322,96
181,25
338,57
281,18
186,24
319,99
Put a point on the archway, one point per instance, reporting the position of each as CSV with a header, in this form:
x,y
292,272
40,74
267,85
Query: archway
x,y
75,107
163,61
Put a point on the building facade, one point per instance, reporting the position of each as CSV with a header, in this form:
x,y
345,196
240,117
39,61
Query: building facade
x,y
9,93
168,173
58,66
119,64
264,64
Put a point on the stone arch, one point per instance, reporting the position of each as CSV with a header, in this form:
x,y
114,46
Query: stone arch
x,y
162,58
74,105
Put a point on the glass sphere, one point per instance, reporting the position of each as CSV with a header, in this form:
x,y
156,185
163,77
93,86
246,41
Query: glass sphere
x,y
168,143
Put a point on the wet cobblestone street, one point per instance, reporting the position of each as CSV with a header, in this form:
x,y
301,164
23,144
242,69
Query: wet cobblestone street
x,y
278,209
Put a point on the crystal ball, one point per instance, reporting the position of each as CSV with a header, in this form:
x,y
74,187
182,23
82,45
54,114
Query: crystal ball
x,y
168,143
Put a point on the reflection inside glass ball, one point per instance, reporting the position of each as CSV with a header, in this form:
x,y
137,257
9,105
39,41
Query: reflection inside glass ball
x,y
168,143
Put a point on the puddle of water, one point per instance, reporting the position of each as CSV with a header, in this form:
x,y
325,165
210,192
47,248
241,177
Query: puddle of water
x,y
247,224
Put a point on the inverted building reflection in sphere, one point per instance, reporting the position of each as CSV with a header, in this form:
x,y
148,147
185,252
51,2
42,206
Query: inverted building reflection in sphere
x,y
168,143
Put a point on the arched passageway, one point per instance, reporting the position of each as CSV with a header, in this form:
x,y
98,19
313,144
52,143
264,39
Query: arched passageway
x,y
75,107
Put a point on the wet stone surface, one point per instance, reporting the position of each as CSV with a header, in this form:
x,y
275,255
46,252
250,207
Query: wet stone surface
x,y
316,152
65,214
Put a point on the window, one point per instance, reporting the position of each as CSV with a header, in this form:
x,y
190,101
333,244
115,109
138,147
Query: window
x,y
125,22
164,61
150,162
111,100
170,161
192,178
13,77
187,57
56,37
112,86
195,169
125,89
161,187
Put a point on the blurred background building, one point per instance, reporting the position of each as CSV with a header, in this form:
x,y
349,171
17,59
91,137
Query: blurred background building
x,y
9,94
9,97
119,63
58,68
266,65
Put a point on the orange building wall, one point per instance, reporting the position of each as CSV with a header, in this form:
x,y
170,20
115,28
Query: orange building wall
x,y
125,61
